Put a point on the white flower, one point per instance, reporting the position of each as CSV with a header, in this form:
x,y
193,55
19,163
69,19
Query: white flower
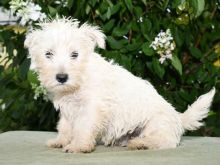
x,y
172,46
34,11
168,10
64,3
26,11
163,40
140,19
125,37
16,4
2,105
162,59
39,90
164,45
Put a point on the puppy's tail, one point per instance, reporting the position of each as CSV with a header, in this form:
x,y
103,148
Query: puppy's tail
x,y
191,118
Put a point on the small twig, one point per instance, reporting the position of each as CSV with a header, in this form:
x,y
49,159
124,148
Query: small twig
x,y
130,36
199,38
213,12
210,50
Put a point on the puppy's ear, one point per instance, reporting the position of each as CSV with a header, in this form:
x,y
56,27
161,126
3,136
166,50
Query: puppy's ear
x,y
29,43
95,34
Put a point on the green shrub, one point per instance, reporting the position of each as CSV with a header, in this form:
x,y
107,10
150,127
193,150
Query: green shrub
x,y
130,27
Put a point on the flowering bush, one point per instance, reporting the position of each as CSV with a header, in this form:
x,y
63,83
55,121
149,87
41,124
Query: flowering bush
x,y
174,44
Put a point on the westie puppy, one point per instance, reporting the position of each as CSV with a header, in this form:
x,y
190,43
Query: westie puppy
x,y
100,101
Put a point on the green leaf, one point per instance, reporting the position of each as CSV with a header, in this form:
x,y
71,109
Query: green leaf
x,y
176,64
133,46
129,5
146,26
88,9
183,19
1,69
125,61
138,11
178,37
165,3
147,49
187,96
109,25
158,68
113,43
52,10
70,3
119,31
176,3
32,77
111,54
198,7
144,2
211,113
108,13
195,52
115,8
134,26
92,2
24,67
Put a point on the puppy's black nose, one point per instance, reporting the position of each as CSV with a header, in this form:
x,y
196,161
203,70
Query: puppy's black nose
x,y
62,77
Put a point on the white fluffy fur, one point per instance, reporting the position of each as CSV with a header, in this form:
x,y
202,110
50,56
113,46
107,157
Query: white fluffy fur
x,y
101,101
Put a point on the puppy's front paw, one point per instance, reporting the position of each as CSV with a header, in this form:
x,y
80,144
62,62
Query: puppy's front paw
x,y
78,149
56,143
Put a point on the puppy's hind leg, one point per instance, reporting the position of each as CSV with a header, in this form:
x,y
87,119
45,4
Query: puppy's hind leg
x,y
151,142
64,134
158,134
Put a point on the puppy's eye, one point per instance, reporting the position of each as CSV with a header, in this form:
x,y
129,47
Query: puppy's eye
x,y
48,54
74,55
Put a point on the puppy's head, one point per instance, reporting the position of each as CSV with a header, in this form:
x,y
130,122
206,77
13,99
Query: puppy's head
x,y
59,51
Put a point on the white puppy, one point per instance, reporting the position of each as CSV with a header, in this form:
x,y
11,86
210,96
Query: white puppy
x,y
100,101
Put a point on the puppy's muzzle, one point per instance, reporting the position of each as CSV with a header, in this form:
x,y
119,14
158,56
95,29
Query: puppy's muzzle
x,y
62,77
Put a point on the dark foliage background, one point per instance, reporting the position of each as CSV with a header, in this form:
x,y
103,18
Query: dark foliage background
x,y
130,27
